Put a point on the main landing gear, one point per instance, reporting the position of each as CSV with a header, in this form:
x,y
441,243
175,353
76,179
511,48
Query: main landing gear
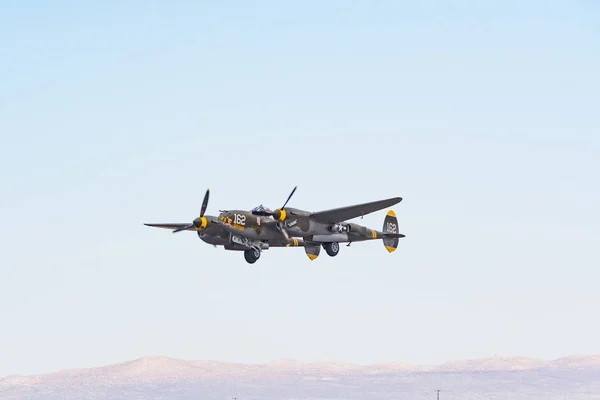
x,y
332,248
252,252
252,255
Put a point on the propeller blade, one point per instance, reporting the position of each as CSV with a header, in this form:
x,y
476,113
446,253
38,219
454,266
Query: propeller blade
x,y
183,228
204,203
281,228
289,197
197,222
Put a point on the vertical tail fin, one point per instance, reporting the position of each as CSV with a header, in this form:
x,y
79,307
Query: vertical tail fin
x,y
390,225
312,250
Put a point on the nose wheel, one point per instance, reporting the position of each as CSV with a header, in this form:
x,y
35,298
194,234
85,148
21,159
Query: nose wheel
x,y
252,255
332,248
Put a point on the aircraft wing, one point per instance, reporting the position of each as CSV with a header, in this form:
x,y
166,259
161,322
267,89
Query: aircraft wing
x,y
341,214
174,226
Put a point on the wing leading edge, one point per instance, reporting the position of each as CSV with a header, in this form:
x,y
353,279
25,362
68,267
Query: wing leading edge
x,y
341,214
173,226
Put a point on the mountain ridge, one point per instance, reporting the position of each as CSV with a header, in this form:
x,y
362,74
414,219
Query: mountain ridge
x,y
159,377
157,363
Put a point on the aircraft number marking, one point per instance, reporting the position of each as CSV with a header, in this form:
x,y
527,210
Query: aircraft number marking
x,y
391,227
239,219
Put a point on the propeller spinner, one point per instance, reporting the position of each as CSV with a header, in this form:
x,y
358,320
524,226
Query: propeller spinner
x,y
201,222
280,214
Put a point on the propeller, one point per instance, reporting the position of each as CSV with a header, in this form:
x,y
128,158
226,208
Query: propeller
x,y
281,227
280,215
199,223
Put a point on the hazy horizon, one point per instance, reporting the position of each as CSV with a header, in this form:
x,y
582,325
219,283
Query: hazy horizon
x,y
483,117
153,377
469,362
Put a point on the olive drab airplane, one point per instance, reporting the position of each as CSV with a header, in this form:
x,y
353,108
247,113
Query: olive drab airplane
x,y
211,231
318,229
260,228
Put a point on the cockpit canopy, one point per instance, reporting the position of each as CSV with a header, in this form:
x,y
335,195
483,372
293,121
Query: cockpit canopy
x,y
261,210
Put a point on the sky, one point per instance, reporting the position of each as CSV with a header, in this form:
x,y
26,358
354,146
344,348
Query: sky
x,y
482,116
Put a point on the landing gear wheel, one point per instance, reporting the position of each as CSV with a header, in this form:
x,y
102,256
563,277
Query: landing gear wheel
x,y
251,255
332,248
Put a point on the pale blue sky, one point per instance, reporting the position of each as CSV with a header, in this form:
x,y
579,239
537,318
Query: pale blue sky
x,y
483,116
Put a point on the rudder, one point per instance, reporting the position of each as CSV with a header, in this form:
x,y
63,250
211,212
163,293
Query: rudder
x,y
390,225
312,250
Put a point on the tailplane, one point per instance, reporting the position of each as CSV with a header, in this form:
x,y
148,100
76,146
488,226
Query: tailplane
x,y
390,230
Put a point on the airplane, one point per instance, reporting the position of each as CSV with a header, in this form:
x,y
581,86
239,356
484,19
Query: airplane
x,y
211,231
322,228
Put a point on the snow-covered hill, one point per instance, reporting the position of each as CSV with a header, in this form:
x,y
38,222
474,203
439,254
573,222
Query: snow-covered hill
x,y
576,377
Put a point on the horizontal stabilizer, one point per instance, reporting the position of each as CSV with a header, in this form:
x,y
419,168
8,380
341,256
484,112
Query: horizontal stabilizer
x,y
393,235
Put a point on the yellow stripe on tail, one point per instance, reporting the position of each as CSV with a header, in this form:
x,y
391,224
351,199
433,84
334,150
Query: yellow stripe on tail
x,y
312,250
